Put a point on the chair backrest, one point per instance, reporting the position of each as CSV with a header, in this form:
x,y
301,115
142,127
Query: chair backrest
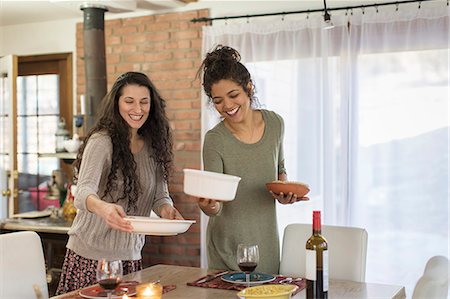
x,y
22,265
347,251
434,282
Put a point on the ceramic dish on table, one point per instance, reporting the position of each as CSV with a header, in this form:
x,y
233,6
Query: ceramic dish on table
x,y
212,185
269,291
97,292
158,226
255,278
301,189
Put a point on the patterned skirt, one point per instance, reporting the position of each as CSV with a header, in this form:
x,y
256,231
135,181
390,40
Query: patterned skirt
x,y
79,272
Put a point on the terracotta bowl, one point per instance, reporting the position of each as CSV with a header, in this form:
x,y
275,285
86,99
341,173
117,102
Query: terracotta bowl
x,y
301,189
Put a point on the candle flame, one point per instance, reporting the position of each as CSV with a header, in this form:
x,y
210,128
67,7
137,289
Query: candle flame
x,y
148,291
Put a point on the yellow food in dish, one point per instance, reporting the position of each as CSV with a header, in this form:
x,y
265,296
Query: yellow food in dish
x,y
268,291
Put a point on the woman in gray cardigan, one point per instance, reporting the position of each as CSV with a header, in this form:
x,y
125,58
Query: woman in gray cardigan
x,y
121,169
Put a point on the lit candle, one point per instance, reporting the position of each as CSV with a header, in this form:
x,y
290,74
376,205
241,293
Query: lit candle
x,y
150,291
83,104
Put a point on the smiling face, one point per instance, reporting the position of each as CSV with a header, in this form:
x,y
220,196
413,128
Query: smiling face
x,y
230,100
134,105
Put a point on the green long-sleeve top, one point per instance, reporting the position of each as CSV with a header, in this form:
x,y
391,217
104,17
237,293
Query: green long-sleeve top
x,y
251,217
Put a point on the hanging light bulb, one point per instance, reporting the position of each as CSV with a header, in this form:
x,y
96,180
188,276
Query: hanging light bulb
x,y
327,17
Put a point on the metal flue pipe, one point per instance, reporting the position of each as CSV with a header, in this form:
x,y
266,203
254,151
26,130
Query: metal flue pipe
x,y
94,59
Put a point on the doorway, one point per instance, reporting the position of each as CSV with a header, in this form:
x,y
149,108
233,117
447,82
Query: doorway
x,y
44,99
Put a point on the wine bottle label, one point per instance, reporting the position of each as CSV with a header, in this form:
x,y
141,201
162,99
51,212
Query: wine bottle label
x,y
311,264
311,267
325,270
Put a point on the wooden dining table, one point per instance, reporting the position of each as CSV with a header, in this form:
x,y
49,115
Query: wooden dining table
x,y
178,276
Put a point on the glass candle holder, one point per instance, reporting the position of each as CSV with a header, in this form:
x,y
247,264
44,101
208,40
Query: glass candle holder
x,y
150,290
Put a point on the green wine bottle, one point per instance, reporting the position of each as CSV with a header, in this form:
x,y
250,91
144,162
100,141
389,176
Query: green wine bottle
x,y
316,262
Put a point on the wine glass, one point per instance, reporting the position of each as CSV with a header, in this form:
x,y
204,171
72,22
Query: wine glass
x,y
109,274
247,259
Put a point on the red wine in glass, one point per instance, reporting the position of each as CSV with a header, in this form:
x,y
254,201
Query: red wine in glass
x,y
247,266
109,283
109,274
247,259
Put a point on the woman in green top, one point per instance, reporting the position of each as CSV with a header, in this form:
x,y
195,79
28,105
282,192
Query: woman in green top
x,y
248,143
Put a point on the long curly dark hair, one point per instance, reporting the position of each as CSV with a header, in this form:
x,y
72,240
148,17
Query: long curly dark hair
x,y
223,63
155,131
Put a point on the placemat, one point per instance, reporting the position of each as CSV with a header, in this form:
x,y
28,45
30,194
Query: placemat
x,y
166,289
218,283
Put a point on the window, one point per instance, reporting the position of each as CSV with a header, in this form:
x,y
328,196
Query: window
x,y
398,143
402,188
43,97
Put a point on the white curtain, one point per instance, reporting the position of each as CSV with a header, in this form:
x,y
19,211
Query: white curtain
x,y
367,120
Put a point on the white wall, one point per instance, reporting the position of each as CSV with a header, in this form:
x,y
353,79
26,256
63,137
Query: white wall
x,y
38,38
41,38
60,36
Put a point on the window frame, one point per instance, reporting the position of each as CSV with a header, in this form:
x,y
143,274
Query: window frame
x,y
61,65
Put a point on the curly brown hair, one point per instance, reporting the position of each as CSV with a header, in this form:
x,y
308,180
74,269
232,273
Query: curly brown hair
x,y
155,131
223,63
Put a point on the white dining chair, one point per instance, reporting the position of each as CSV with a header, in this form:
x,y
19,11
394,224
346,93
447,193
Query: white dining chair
x,y
22,266
347,251
433,284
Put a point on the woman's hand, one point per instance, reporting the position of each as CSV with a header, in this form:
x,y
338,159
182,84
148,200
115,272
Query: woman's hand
x,y
209,206
290,198
167,211
111,213
114,215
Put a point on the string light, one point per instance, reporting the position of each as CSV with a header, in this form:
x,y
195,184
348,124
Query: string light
x,y
327,17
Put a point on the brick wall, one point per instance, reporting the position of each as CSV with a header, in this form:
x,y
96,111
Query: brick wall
x,y
167,48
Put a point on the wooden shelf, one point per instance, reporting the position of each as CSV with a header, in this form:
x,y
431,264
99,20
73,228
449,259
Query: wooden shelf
x,y
64,156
